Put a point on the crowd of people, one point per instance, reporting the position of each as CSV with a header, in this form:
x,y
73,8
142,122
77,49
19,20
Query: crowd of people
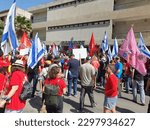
x,y
65,71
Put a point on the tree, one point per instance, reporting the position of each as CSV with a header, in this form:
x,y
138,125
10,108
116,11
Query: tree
x,y
22,25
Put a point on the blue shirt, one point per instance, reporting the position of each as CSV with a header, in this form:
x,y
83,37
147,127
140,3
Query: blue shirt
x,y
74,66
118,66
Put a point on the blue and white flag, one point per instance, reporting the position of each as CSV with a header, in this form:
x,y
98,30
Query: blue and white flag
x,y
36,52
9,29
55,50
115,48
40,49
81,45
7,49
32,59
142,47
104,44
109,54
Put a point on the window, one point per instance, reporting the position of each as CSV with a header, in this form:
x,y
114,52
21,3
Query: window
x,y
80,25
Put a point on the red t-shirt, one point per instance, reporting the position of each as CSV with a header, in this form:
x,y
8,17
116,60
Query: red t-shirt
x,y
66,64
127,69
60,82
16,79
111,88
2,81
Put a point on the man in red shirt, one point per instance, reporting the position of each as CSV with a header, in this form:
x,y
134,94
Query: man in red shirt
x,y
111,90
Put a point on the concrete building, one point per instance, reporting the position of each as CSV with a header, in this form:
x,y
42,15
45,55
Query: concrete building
x,y
62,20
19,12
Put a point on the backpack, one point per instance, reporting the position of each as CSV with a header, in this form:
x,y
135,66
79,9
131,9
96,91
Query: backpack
x,y
51,94
27,89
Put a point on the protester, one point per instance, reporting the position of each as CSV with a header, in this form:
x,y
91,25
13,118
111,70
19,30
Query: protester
x,y
111,90
127,76
101,70
138,82
148,91
66,60
95,64
88,83
55,79
12,100
118,72
3,78
73,71
33,76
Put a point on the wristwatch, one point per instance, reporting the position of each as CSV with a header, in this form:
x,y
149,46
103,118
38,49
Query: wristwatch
x,y
6,99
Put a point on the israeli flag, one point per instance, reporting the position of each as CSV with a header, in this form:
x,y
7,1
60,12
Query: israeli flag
x,y
81,46
109,54
36,52
9,29
115,48
40,49
143,49
32,59
105,43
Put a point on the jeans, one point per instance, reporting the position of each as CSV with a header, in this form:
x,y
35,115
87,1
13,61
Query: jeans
x,y
89,91
139,84
119,89
35,81
127,83
73,80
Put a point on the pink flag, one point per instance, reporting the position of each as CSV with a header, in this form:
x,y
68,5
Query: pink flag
x,y
130,52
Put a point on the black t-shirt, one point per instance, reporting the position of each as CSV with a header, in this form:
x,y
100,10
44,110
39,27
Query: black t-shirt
x,y
138,76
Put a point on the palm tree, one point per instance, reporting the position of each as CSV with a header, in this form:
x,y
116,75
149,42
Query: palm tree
x,y
1,28
22,25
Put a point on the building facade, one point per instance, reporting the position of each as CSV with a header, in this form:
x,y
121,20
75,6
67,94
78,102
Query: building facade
x,y
63,20
19,12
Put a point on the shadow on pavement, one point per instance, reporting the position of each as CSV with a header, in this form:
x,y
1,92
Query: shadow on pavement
x,y
75,105
123,110
99,90
36,102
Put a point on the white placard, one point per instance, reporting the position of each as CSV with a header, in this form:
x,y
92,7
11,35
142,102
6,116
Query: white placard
x,y
24,51
80,53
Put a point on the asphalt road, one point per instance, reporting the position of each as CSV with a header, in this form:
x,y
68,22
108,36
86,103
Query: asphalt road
x,y
71,104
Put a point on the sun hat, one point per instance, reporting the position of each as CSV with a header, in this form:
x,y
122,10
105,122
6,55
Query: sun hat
x,y
18,63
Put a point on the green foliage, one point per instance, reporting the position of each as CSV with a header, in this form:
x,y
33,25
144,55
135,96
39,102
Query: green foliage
x,y
1,28
22,25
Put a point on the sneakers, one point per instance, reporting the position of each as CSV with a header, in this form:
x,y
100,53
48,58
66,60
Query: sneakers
x,y
75,96
142,104
93,105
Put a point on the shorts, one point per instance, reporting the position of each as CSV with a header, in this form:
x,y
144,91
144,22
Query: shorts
x,y
110,102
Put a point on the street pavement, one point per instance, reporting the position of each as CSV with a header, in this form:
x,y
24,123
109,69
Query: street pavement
x,y
71,104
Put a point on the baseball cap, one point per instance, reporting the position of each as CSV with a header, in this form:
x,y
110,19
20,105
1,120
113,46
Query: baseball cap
x,y
88,58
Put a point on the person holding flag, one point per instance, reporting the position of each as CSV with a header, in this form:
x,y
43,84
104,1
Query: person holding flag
x,y
36,53
130,52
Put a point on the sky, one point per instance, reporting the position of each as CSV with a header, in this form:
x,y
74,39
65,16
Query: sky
x,y
23,4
